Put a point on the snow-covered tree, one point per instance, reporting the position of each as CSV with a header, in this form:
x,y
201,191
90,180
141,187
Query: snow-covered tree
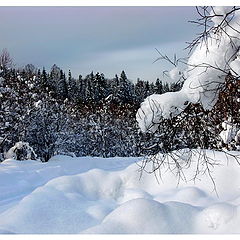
x,y
72,87
55,76
211,61
187,118
6,61
125,89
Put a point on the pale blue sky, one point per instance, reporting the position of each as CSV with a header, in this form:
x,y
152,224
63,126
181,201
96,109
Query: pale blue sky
x,y
104,39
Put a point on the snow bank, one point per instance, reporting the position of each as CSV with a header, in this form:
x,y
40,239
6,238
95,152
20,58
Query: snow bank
x,y
95,195
207,68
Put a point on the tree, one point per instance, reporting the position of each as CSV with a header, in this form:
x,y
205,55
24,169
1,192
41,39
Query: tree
x,y
62,89
81,89
89,94
187,118
72,87
99,87
114,86
159,86
5,60
139,90
30,70
125,89
44,78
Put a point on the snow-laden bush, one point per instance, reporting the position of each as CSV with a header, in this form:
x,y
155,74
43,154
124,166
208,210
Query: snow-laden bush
x,y
21,151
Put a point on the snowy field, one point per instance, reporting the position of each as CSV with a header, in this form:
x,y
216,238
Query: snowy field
x,y
96,195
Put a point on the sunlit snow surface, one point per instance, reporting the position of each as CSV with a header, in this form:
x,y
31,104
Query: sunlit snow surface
x,y
96,195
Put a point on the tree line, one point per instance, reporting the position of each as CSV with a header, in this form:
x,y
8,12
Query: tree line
x,y
55,113
95,87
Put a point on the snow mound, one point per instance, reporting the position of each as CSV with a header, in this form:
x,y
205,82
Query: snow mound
x,y
189,195
139,218
219,218
95,195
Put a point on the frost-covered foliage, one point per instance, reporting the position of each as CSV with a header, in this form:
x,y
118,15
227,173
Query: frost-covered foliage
x,y
59,114
85,116
211,61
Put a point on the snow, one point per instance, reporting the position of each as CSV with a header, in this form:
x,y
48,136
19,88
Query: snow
x,y
219,10
96,195
235,67
155,106
229,132
147,216
1,80
175,74
12,152
38,104
206,70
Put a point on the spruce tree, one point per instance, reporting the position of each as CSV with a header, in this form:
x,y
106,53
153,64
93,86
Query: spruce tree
x,y
125,89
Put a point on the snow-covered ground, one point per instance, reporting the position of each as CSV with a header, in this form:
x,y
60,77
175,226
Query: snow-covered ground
x,y
96,195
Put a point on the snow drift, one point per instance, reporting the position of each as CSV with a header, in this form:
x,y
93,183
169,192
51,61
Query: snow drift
x,y
95,195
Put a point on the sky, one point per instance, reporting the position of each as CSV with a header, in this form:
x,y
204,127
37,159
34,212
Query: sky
x,y
99,39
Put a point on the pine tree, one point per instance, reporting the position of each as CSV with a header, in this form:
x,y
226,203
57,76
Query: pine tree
x,y
146,89
166,87
100,87
62,89
72,87
139,90
44,78
80,89
125,89
158,86
89,94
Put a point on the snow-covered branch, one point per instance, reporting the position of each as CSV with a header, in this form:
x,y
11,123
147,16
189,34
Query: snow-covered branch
x,y
215,55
